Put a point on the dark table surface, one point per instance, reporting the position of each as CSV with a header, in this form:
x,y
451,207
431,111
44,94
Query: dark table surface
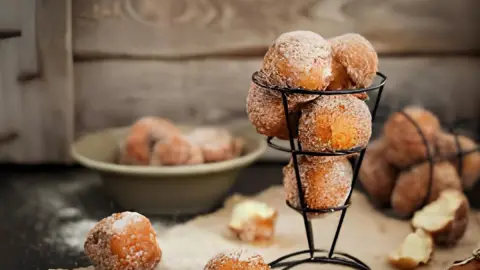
x,y
36,201
32,197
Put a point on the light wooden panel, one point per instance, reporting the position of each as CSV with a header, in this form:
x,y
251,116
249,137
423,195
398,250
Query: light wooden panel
x,y
180,28
10,16
39,111
28,47
116,92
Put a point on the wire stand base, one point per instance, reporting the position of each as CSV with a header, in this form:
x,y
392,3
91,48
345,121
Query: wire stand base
x,y
320,257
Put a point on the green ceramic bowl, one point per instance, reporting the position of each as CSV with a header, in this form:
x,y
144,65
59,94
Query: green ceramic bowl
x,y
164,190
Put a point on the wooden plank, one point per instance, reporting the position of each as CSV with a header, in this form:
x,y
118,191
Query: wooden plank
x,y
10,16
55,48
11,121
28,57
181,28
40,110
116,92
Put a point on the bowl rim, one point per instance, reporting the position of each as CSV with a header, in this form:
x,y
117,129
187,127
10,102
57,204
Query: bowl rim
x,y
182,170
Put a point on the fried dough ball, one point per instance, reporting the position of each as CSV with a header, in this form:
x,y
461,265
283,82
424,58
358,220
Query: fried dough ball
x,y
355,63
445,219
216,144
237,259
265,111
333,123
157,127
376,174
405,143
123,241
326,182
137,148
176,150
411,187
402,159
299,59
447,147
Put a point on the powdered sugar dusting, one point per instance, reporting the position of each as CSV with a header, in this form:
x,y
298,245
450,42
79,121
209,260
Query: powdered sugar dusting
x,y
244,255
299,59
266,112
215,144
238,259
126,218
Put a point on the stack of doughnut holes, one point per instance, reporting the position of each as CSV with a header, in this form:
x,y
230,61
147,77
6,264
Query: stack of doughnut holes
x,y
326,123
155,141
395,170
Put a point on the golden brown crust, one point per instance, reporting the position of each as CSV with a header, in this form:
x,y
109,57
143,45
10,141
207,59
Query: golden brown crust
x,y
326,182
137,148
237,259
403,156
446,219
265,111
333,123
298,59
447,147
405,143
355,63
411,187
376,174
342,81
257,229
416,250
123,241
157,127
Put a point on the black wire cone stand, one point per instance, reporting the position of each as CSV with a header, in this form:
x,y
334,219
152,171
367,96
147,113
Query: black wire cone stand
x,y
432,159
320,256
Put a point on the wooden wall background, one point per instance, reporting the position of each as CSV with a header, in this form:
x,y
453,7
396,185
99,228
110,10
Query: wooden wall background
x,y
83,65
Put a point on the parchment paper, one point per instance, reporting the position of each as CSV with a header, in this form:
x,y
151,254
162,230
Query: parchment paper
x,y
366,234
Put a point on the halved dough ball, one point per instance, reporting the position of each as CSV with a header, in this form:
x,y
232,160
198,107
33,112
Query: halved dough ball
x,y
446,218
253,221
416,250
